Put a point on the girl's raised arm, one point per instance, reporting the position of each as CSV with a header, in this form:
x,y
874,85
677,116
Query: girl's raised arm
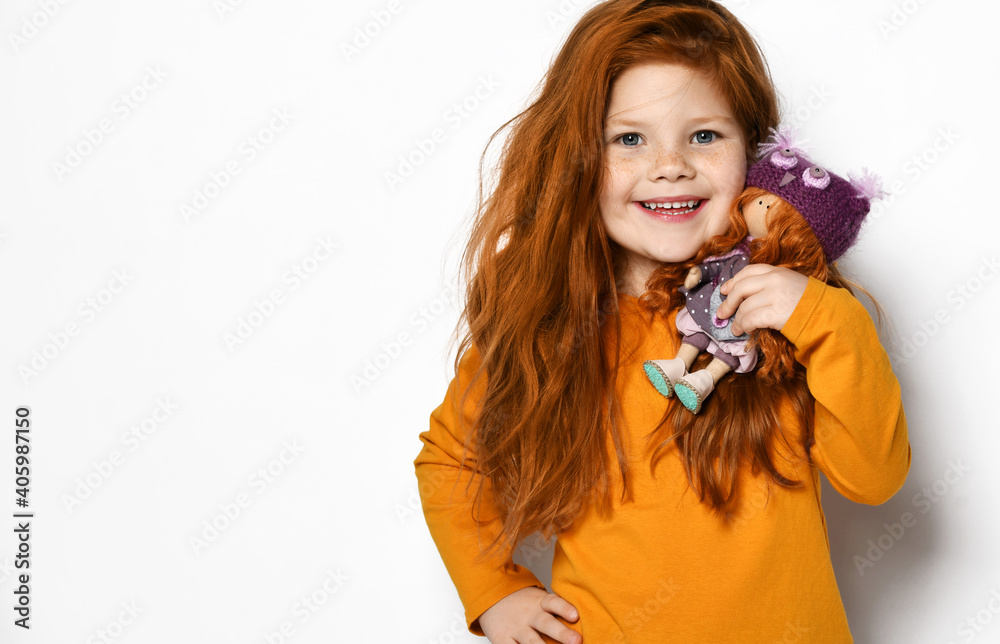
x,y
861,440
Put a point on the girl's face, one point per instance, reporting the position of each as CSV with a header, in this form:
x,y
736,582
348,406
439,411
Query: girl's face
x,y
674,162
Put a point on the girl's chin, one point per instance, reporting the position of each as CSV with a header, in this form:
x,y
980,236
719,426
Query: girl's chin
x,y
677,257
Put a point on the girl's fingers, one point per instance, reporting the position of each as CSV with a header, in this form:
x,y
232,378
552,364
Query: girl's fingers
x,y
750,270
748,317
528,637
551,626
764,301
556,605
737,290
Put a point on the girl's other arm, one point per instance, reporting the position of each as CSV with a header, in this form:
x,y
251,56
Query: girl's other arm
x,y
447,498
861,439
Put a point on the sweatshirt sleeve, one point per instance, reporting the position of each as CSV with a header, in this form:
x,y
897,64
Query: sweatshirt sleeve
x,y
447,496
861,441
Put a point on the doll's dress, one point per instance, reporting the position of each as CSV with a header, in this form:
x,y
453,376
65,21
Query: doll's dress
x,y
701,328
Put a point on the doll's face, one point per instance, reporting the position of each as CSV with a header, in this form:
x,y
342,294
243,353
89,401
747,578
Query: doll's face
x,y
755,214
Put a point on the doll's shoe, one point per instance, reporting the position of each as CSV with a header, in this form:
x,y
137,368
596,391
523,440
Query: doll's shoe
x,y
663,374
693,389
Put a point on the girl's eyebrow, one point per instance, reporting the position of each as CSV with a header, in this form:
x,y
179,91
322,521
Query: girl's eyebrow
x,y
625,121
616,121
710,119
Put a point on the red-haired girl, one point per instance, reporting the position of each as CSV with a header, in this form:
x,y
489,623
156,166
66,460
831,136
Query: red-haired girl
x,y
627,162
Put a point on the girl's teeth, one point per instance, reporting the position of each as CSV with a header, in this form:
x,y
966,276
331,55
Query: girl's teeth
x,y
675,204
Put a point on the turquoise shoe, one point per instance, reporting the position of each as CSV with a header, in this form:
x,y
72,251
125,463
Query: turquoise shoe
x,y
693,389
663,374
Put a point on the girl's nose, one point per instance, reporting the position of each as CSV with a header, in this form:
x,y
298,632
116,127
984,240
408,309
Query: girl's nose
x,y
670,165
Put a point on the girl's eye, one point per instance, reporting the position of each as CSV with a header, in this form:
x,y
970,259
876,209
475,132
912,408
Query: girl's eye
x,y
704,136
630,140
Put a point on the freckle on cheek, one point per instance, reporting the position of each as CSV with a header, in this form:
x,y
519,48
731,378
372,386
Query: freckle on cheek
x,y
619,164
716,158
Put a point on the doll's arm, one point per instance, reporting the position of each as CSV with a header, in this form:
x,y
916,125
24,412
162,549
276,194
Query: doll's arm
x,y
861,439
693,278
702,274
442,482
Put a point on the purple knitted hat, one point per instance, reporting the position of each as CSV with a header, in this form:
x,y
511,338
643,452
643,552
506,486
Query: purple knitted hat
x,y
832,206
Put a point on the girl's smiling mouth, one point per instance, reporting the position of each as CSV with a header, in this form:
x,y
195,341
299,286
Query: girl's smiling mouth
x,y
672,209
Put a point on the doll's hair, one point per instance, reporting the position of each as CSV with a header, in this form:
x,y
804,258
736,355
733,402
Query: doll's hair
x,y
541,270
739,424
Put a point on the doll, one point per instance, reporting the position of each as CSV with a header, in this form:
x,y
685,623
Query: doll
x,y
815,214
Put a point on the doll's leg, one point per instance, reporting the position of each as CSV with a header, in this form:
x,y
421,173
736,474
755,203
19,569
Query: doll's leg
x,y
664,373
694,388
718,368
689,352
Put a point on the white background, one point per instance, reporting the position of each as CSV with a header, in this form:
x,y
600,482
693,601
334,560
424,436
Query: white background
x,y
117,305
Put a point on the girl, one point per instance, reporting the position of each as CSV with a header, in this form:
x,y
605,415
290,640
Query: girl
x,y
629,160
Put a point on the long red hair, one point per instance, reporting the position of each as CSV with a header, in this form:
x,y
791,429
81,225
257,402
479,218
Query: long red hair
x,y
541,271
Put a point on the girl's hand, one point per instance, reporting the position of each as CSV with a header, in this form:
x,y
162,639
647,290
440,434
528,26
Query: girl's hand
x,y
519,617
762,297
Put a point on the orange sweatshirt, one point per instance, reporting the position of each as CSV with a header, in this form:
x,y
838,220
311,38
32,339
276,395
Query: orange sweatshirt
x,y
664,569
